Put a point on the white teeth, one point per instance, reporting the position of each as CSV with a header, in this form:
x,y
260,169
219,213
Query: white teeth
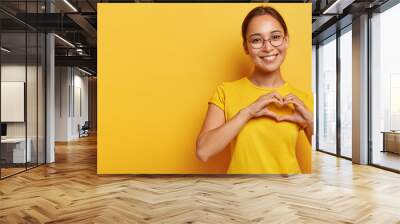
x,y
269,58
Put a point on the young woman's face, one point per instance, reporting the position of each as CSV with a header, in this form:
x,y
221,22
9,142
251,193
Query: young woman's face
x,y
266,57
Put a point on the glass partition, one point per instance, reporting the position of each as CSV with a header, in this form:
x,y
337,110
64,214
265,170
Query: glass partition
x,y
32,96
14,153
22,77
327,95
346,93
385,89
41,85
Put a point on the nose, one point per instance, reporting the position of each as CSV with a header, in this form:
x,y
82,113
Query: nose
x,y
267,45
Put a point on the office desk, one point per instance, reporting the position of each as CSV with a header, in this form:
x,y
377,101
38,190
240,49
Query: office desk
x,y
391,141
15,148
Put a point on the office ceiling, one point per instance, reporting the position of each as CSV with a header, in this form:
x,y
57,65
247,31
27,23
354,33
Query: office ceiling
x,y
76,22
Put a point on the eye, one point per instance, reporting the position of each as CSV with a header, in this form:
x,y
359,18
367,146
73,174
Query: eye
x,y
276,37
256,40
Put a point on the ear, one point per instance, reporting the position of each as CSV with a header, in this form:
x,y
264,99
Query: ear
x,y
287,40
246,50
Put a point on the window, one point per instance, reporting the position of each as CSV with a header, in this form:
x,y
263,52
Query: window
x,y
385,88
327,95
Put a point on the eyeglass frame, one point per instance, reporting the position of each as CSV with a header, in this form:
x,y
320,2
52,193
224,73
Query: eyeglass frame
x,y
265,40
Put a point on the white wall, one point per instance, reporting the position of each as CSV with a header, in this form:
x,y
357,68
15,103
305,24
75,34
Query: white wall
x,y
33,127
62,78
13,73
71,87
79,117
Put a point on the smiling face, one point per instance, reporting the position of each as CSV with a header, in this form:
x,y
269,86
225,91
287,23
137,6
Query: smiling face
x,y
268,58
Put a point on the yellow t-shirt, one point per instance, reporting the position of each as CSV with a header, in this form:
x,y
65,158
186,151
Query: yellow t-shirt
x,y
263,145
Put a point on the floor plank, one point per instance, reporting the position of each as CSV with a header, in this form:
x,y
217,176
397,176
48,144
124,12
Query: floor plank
x,y
70,191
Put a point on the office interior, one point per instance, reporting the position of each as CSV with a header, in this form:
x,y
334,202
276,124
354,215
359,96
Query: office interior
x,y
46,81
49,80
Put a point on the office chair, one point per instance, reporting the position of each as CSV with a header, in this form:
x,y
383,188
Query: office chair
x,y
84,130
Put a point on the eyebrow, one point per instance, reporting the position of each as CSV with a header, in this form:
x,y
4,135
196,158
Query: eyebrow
x,y
259,34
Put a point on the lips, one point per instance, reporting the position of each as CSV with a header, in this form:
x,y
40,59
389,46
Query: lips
x,y
269,58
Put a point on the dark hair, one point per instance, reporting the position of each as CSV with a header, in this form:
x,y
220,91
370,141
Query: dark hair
x,y
262,10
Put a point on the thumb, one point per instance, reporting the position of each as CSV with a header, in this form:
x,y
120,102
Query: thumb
x,y
271,114
285,118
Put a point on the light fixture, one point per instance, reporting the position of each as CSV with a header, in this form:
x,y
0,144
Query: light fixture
x,y
5,50
337,7
64,40
84,71
80,51
70,5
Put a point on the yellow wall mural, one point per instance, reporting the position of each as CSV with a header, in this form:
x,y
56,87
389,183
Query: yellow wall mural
x,y
159,64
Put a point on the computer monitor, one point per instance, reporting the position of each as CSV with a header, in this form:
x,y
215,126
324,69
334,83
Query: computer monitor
x,y
3,129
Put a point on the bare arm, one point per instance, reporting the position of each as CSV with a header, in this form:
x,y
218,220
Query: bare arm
x,y
309,131
216,134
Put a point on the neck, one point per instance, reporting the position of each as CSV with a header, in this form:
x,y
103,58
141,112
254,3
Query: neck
x,y
270,80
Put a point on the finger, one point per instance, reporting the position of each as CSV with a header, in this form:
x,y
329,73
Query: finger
x,y
301,108
288,98
291,95
260,113
267,113
292,101
275,95
276,101
268,101
294,98
271,114
286,118
298,105
288,95
278,97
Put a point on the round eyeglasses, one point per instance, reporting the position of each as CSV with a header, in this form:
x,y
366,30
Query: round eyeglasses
x,y
257,42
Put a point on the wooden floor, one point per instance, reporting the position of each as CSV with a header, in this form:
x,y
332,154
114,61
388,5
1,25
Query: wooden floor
x,y
69,191
387,159
5,172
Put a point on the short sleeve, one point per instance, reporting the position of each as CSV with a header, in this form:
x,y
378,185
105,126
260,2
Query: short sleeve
x,y
219,97
309,101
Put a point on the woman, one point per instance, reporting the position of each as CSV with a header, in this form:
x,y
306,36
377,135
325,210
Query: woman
x,y
261,115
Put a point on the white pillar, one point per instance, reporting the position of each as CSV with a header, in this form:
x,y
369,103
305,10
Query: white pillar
x,y
360,89
50,92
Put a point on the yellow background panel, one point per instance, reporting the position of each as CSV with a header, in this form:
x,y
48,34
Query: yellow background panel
x,y
158,64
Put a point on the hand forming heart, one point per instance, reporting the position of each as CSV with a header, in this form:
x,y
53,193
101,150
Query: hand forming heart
x,y
301,115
